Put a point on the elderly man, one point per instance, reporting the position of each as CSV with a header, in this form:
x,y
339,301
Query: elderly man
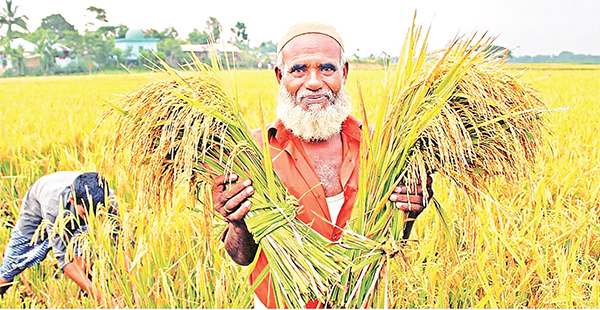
x,y
314,146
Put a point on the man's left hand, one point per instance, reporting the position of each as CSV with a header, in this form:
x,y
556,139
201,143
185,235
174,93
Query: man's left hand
x,y
411,198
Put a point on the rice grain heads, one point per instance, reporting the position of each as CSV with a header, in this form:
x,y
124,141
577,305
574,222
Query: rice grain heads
x,y
455,112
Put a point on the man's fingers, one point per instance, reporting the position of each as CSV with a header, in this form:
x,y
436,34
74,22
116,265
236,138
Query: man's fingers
x,y
414,189
221,181
240,212
411,198
409,207
235,190
233,204
230,197
405,198
224,189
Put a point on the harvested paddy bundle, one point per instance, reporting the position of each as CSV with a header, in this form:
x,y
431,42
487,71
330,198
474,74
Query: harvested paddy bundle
x,y
188,129
457,113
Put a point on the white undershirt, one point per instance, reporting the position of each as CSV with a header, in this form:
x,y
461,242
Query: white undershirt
x,y
335,204
258,304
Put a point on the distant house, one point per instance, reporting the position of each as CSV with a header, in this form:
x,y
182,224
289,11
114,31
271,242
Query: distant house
x,y
62,55
30,58
134,42
202,51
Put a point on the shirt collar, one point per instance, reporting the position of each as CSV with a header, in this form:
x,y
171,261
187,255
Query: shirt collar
x,y
351,127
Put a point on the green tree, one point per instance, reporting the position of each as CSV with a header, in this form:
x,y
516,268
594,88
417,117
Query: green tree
x,y
241,37
152,33
169,49
44,39
9,18
100,15
267,47
169,32
74,40
98,49
566,56
197,37
113,31
122,31
17,59
214,28
56,23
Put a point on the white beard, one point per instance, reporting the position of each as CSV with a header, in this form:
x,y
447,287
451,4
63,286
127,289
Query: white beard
x,y
316,124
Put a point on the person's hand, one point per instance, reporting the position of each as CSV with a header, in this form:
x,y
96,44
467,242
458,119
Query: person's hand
x,y
230,197
411,198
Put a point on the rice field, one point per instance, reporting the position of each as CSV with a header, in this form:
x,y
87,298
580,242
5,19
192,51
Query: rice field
x,y
535,245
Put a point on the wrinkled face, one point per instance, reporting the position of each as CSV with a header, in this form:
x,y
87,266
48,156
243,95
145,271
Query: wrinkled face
x,y
311,71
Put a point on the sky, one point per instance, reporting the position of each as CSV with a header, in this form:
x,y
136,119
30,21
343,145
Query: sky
x,y
527,27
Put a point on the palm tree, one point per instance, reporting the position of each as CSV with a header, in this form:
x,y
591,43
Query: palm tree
x,y
9,17
44,39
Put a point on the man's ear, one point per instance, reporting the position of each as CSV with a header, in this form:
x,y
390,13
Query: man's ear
x,y
81,211
278,74
345,71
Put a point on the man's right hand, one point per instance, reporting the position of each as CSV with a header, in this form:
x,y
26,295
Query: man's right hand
x,y
230,197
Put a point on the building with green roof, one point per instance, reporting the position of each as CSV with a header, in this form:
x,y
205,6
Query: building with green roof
x,y
134,42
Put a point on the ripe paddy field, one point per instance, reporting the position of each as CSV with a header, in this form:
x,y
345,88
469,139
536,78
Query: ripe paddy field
x,y
535,245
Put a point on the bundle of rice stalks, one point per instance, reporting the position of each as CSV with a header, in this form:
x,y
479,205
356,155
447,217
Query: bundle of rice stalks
x,y
189,129
455,112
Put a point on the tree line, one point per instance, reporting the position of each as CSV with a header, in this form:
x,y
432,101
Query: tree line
x,y
563,57
97,47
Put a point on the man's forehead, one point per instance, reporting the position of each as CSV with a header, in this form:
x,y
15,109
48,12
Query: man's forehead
x,y
308,28
311,43
311,50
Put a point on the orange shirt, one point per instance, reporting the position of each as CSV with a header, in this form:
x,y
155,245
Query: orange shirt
x,y
291,165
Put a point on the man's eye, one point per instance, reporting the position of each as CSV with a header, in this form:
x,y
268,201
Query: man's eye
x,y
296,69
327,68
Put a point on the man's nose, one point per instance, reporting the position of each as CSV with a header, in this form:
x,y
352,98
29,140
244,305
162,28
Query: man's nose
x,y
314,81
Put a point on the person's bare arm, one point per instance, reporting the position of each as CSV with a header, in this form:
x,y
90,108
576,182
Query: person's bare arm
x,y
77,274
412,200
230,199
